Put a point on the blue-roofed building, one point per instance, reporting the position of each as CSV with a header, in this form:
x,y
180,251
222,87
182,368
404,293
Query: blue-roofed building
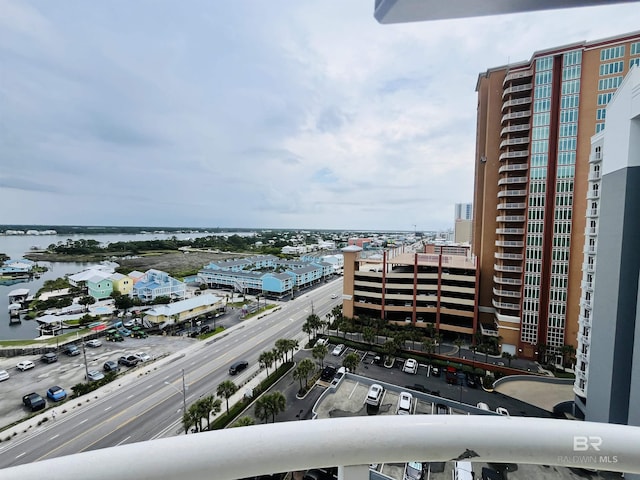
x,y
16,267
280,283
155,284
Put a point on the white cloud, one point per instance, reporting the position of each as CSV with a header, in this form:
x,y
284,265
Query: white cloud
x,y
244,114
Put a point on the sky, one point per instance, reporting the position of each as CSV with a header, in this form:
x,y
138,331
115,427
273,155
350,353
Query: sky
x,y
251,114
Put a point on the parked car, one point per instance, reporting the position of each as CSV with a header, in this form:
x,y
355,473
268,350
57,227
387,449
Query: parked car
x,y
502,411
238,366
322,341
337,351
374,396
95,375
49,357
34,402
4,375
435,371
111,366
413,471
142,356
72,350
471,381
328,373
25,365
56,393
334,296
410,366
94,343
129,361
405,403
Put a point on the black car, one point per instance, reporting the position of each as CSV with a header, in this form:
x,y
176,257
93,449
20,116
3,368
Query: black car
x,y
34,402
328,373
435,371
72,350
471,381
111,366
238,367
130,361
49,357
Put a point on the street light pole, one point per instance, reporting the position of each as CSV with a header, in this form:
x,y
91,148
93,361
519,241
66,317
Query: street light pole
x,y
184,394
86,367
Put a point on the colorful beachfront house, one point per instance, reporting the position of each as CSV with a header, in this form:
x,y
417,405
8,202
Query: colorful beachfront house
x,y
80,278
184,310
16,267
122,283
136,276
307,275
155,284
99,287
278,283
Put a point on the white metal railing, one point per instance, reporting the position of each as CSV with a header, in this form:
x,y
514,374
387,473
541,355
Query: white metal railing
x,y
513,167
352,441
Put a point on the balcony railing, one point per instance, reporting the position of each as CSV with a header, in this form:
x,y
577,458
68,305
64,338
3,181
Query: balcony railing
x,y
595,176
510,218
514,141
515,115
512,193
517,88
510,231
513,167
508,256
507,268
510,77
593,194
515,128
507,281
514,154
512,180
506,293
515,102
505,305
592,212
511,206
509,243
297,446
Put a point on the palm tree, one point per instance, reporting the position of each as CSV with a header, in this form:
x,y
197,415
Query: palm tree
x,y
244,422
351,361
226,389
262,410
282,347
508,356
306,328
458,342
266,359
195,412
189,420
277,402
389,348
429,346
368,335
291,346
306,367
299,375
209,405
319,352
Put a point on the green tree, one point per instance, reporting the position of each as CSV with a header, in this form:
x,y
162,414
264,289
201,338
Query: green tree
x,y
350,361
429,346
244,422
458,342
368,335
209,405
305,368
306,328
282,345
262,410
87,300
438,339
319,352
508,357
266,360
389,348
292,345
225,390
189,419
277,403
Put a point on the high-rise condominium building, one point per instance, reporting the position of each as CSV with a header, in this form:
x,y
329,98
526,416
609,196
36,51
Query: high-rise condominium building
x,y
464,211
535,122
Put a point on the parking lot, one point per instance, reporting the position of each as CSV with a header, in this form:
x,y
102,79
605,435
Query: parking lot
x,y
68,371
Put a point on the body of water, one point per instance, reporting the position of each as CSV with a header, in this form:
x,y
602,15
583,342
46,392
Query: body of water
x,y
16,246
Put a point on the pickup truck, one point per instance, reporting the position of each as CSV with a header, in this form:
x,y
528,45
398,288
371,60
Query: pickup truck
x,y
34,402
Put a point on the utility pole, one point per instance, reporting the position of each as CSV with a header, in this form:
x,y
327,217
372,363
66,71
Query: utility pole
x,y
184,395
86,367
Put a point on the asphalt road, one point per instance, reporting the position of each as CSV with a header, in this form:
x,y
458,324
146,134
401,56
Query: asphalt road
x,y
142,407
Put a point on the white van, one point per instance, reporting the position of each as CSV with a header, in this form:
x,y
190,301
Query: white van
x,y
462,471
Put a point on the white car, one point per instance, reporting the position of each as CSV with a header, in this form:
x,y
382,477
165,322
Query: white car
x,y
337,351
405,403
502,411
95,375
94,343
374,396
25,365
410,366
143,357
4,375
334,296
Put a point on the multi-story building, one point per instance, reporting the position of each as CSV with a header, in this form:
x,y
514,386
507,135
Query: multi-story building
x,y
608,356
535,122
411,289
464,211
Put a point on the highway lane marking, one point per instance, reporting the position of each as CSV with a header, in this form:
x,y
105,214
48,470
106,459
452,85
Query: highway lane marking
x,y
148,387
23,453
83,421
120,443
108,408
167,377
130,396
54,437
